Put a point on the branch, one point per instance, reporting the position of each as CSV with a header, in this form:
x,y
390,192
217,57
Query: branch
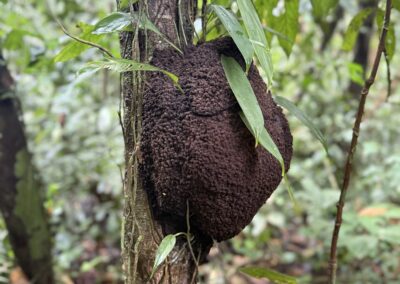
x,y
356,130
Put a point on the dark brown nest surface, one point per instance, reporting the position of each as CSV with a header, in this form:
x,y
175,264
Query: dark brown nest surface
x,y
196,149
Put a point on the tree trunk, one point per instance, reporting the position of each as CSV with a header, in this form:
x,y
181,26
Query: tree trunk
x,y
21,201
142,234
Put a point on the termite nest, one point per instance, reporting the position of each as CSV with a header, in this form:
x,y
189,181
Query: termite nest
x,y
196,151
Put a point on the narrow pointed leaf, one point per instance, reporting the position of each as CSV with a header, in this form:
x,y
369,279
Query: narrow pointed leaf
x,y
236,31
390,41
164,249
354,28
125,65
266,142
252,115
276,277
293,109
256,33
244,94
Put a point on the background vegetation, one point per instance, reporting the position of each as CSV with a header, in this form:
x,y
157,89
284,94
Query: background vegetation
x,y
74,133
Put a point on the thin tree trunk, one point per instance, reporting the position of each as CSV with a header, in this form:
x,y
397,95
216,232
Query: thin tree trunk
x,y
21,201
142,234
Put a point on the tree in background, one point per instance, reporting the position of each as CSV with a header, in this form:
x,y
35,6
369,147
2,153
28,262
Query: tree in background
x,y
22,202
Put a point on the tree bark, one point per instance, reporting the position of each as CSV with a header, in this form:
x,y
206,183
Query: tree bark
x,y
21,202
142,233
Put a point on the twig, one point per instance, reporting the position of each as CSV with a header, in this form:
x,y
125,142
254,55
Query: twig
x,y
102,49
356,130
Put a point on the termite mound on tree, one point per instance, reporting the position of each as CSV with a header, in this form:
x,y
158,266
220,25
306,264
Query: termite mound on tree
x,y
197,151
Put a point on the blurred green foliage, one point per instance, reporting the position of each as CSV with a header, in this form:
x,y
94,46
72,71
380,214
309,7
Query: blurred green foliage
x,y
73,129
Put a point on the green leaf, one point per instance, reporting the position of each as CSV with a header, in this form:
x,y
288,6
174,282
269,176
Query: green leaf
x,y
297,207
396,4
266,142
125,3
235,30
390,234
244,93
288,25
261,272
354,28
112,23
356,73
164,249
390,41
252,115
125,65
14,40
276,33
361,246
292,108
75,48
123,21
257,37
321,8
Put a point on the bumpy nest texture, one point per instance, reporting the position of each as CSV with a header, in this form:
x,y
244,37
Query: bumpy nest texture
x,y
197,150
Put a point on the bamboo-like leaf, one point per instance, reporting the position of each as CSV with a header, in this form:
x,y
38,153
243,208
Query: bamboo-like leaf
x,y
244,94
293,109
125,65
276,277
297,208
236,31
354,28
163,250
266,142
256,34
252,115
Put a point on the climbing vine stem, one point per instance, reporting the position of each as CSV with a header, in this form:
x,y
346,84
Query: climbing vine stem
x,y
356,131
